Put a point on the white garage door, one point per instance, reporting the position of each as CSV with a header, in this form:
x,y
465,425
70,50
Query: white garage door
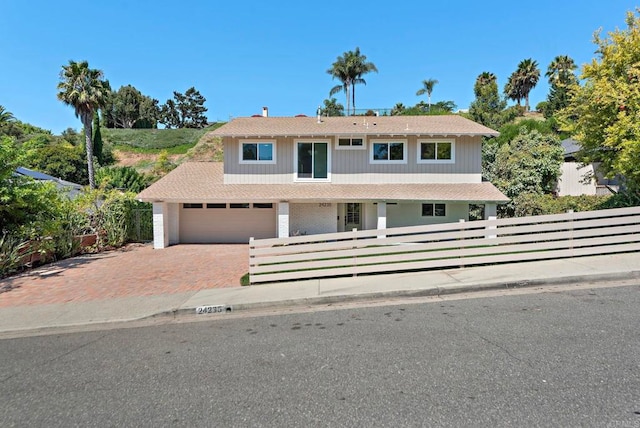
x,y
226,223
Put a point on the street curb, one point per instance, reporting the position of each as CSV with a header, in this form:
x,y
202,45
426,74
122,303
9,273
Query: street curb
x,y
424,292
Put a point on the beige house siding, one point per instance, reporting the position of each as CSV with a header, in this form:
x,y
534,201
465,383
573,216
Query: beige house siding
x,y
355,167
572,177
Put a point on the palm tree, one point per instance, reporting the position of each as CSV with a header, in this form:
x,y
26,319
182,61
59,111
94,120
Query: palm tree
x,y
85,90
340,70
561,70
528,76
358,66
5,116
512,89
427,88
398,109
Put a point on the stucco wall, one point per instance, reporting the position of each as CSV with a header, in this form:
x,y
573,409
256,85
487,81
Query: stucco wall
x,y
410,214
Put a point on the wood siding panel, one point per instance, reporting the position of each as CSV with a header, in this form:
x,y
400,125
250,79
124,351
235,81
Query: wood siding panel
x,y
354,167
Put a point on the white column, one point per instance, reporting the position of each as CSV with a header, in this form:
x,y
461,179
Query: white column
x,y
160,225
382,217
283,219
490,210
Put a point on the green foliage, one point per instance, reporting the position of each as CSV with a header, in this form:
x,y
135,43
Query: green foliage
x,y
528,204
13,252
604,113
98,146
129,108
427,88
85,90
185,110
163,165
349,69
522,81
530,163
121,178
60,160
511,130
25,205
332,108
488,108
155,139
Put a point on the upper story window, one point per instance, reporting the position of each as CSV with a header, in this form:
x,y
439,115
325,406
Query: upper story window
x,y
436,151
350,143
385,151
312,161
257,152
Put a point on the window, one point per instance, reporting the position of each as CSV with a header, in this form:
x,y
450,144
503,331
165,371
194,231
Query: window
x,y
388,152
217,206
239,205
313,161
261,205
350,143
257,152
436,151
186,205
434,210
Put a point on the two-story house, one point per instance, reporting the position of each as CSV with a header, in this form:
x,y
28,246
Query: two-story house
x,y
285,176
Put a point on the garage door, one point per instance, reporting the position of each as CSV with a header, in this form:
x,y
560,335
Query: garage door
x,y
226,223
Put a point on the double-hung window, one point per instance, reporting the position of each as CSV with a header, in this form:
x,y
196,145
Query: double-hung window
x,y
388,151
436,151
257,152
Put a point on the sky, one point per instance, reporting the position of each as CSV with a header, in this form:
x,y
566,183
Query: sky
x,y
242,56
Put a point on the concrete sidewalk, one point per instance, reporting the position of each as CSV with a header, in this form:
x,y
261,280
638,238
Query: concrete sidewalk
x,y
617,267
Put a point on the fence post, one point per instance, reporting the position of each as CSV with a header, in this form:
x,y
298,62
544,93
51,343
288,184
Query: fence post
x,y
251,259
570,215
355,245
461,221
491,231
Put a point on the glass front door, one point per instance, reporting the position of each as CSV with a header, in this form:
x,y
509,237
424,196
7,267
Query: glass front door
x,y
352,216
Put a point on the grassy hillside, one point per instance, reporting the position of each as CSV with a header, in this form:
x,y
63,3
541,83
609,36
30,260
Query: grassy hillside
x,y
174,141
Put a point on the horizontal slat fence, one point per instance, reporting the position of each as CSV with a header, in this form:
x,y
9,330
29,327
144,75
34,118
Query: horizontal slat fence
x,y
445,245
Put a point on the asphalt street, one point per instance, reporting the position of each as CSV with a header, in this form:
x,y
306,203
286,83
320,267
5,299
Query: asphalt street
x,y
551,359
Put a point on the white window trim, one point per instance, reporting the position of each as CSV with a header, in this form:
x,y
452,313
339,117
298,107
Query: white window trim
x,y
433,204
388,140
254,162
350,147
295,161
437,140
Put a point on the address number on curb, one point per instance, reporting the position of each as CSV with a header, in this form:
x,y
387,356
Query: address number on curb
x,y
213,309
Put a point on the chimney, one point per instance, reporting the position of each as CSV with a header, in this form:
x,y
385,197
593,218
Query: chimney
x,y
265,112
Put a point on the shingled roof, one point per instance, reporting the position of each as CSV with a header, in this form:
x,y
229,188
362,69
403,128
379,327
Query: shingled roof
x,y
454,125
204,182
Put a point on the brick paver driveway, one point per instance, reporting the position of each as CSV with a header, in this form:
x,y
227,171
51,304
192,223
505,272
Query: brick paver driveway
x,y
135,270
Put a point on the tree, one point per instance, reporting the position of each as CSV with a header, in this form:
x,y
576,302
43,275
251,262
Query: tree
x,y
561,78
5,116
530,163
488,108
129,108
339,70
427,88
97,139
61,160
85,90
359,66
124,178
349,69
522,81
185,110
332,108
397,109
603,113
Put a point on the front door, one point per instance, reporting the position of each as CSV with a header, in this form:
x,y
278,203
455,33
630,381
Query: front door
x,y
352,216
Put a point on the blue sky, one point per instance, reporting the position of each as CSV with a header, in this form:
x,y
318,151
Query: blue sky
x,y
245,55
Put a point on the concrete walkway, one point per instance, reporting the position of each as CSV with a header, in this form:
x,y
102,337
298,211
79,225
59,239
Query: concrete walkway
x,y
40,317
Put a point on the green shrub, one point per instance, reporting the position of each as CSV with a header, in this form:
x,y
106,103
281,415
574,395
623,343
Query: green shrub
x,y
528,204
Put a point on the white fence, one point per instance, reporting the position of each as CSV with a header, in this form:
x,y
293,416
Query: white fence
x,y
445,245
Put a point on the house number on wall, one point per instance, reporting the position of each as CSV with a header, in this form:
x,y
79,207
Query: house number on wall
x,y
324,204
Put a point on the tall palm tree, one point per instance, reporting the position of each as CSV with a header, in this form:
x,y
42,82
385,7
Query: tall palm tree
x,y
340,70
427,88
85,90
5,116
512,89
358,66
561,70
528,75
